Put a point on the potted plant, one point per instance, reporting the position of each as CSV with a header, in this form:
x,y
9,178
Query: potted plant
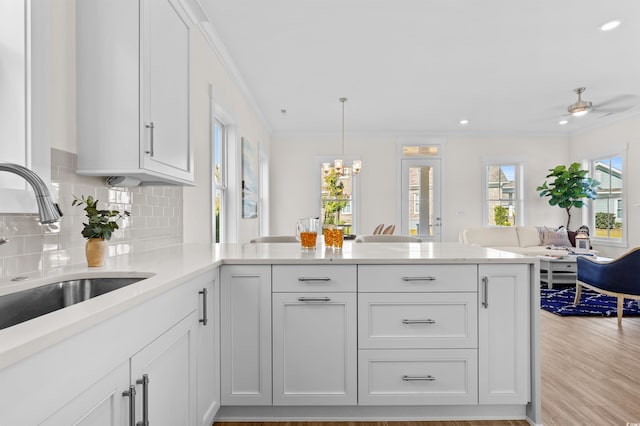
x,y
98,229
569,188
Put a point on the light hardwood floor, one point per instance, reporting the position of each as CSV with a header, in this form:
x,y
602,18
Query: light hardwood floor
x,y
590,376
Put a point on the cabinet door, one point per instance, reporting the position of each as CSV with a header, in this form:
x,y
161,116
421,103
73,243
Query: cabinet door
x,y
208,348
165,147
101,405
169,364
245,321
314,349
503,340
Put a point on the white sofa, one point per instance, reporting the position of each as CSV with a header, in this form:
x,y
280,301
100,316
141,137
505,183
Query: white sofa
x,y
525,240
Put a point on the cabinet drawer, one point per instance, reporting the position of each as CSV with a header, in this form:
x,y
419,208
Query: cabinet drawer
x,y
417,320
417,278
416,377
315,278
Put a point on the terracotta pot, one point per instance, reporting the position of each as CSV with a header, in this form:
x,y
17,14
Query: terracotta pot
x,y
96,251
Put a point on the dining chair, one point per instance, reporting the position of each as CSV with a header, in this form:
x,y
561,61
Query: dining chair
x,y
378,229
275,239
389,230
386,238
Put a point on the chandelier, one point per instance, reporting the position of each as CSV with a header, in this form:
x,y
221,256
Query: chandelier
x,y
338,165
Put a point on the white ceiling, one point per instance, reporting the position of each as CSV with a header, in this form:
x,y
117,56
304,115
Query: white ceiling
x,y
420,66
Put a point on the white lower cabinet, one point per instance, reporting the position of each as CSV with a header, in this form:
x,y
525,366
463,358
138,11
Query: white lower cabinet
x,y
100,404
504,334
376,335
418,377
208,358
314,349
164,376
245,345
141,365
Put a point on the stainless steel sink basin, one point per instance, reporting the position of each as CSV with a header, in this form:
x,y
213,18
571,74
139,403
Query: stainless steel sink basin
x,y
28,304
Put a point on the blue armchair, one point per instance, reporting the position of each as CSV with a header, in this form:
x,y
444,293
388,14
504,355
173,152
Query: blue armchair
x,y
619,278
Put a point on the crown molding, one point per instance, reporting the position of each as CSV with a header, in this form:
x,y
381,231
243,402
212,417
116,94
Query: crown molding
x,y
200,19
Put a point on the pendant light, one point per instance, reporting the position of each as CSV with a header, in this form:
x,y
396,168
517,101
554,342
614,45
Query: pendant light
x,y
338,164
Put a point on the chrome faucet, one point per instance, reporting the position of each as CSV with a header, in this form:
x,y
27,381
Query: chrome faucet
x,y
48,210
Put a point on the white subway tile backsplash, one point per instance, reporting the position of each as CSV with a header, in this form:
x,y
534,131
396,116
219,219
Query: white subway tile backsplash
x,y
155,221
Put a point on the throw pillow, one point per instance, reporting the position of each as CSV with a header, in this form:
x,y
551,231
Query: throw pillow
x,y
572,237
558,238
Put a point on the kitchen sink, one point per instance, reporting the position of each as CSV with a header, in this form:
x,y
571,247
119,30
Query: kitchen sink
x,y
21,306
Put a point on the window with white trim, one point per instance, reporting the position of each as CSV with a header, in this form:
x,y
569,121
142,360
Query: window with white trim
x,y
504,205
607,210
219,178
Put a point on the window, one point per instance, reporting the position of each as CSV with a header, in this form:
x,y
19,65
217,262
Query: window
x,y
219,178
338,199
608,208
503,205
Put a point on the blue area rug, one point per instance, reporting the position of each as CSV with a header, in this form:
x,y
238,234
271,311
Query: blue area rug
x,y
560,302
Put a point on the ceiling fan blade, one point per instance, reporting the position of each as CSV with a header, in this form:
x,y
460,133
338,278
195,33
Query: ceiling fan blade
x,y
622,101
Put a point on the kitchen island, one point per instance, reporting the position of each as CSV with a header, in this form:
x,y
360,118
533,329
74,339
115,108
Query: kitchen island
x,y
475,355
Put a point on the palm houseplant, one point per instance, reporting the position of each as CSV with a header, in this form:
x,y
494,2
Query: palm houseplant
x,y
98,229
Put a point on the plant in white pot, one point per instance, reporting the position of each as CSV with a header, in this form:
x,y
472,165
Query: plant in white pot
x,y
98,229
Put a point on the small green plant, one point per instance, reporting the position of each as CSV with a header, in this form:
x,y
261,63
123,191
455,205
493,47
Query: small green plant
x,y
607,221
501,216
569,188
334,201
101,223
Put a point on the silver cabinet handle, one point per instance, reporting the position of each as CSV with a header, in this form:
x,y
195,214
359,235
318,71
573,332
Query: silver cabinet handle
x,y
307,279
428,378
424,321
204,319
314,299
418,278
485,292
145,400
150,126
131,394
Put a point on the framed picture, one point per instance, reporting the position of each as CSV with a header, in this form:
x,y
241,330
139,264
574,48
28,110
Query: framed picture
x,y
249,179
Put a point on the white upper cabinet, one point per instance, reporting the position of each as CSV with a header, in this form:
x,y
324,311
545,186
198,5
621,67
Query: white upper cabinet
x,y
25,88
133,110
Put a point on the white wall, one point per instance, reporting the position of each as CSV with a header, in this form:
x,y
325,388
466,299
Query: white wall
x,y
293,177
207,70
607,140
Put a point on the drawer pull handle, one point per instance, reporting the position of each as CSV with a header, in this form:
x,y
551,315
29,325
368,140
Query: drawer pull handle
x,y
424,321
428,378
314,299
418,278
150,126
306,279
204,318
485,292
131,394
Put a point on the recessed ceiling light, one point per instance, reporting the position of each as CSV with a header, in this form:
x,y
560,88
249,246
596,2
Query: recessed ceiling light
x,y
610,25
563,122
464,122
283,111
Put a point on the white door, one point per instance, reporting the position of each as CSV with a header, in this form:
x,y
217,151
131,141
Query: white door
x,y
420,198
314,349
208,350
245,334
165,128
101,405
503,334
164,373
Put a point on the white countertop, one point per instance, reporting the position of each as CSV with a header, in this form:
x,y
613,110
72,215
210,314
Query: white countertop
x,y
175,265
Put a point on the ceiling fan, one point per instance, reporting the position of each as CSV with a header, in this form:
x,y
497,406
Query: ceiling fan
x,y
580,107
614,105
